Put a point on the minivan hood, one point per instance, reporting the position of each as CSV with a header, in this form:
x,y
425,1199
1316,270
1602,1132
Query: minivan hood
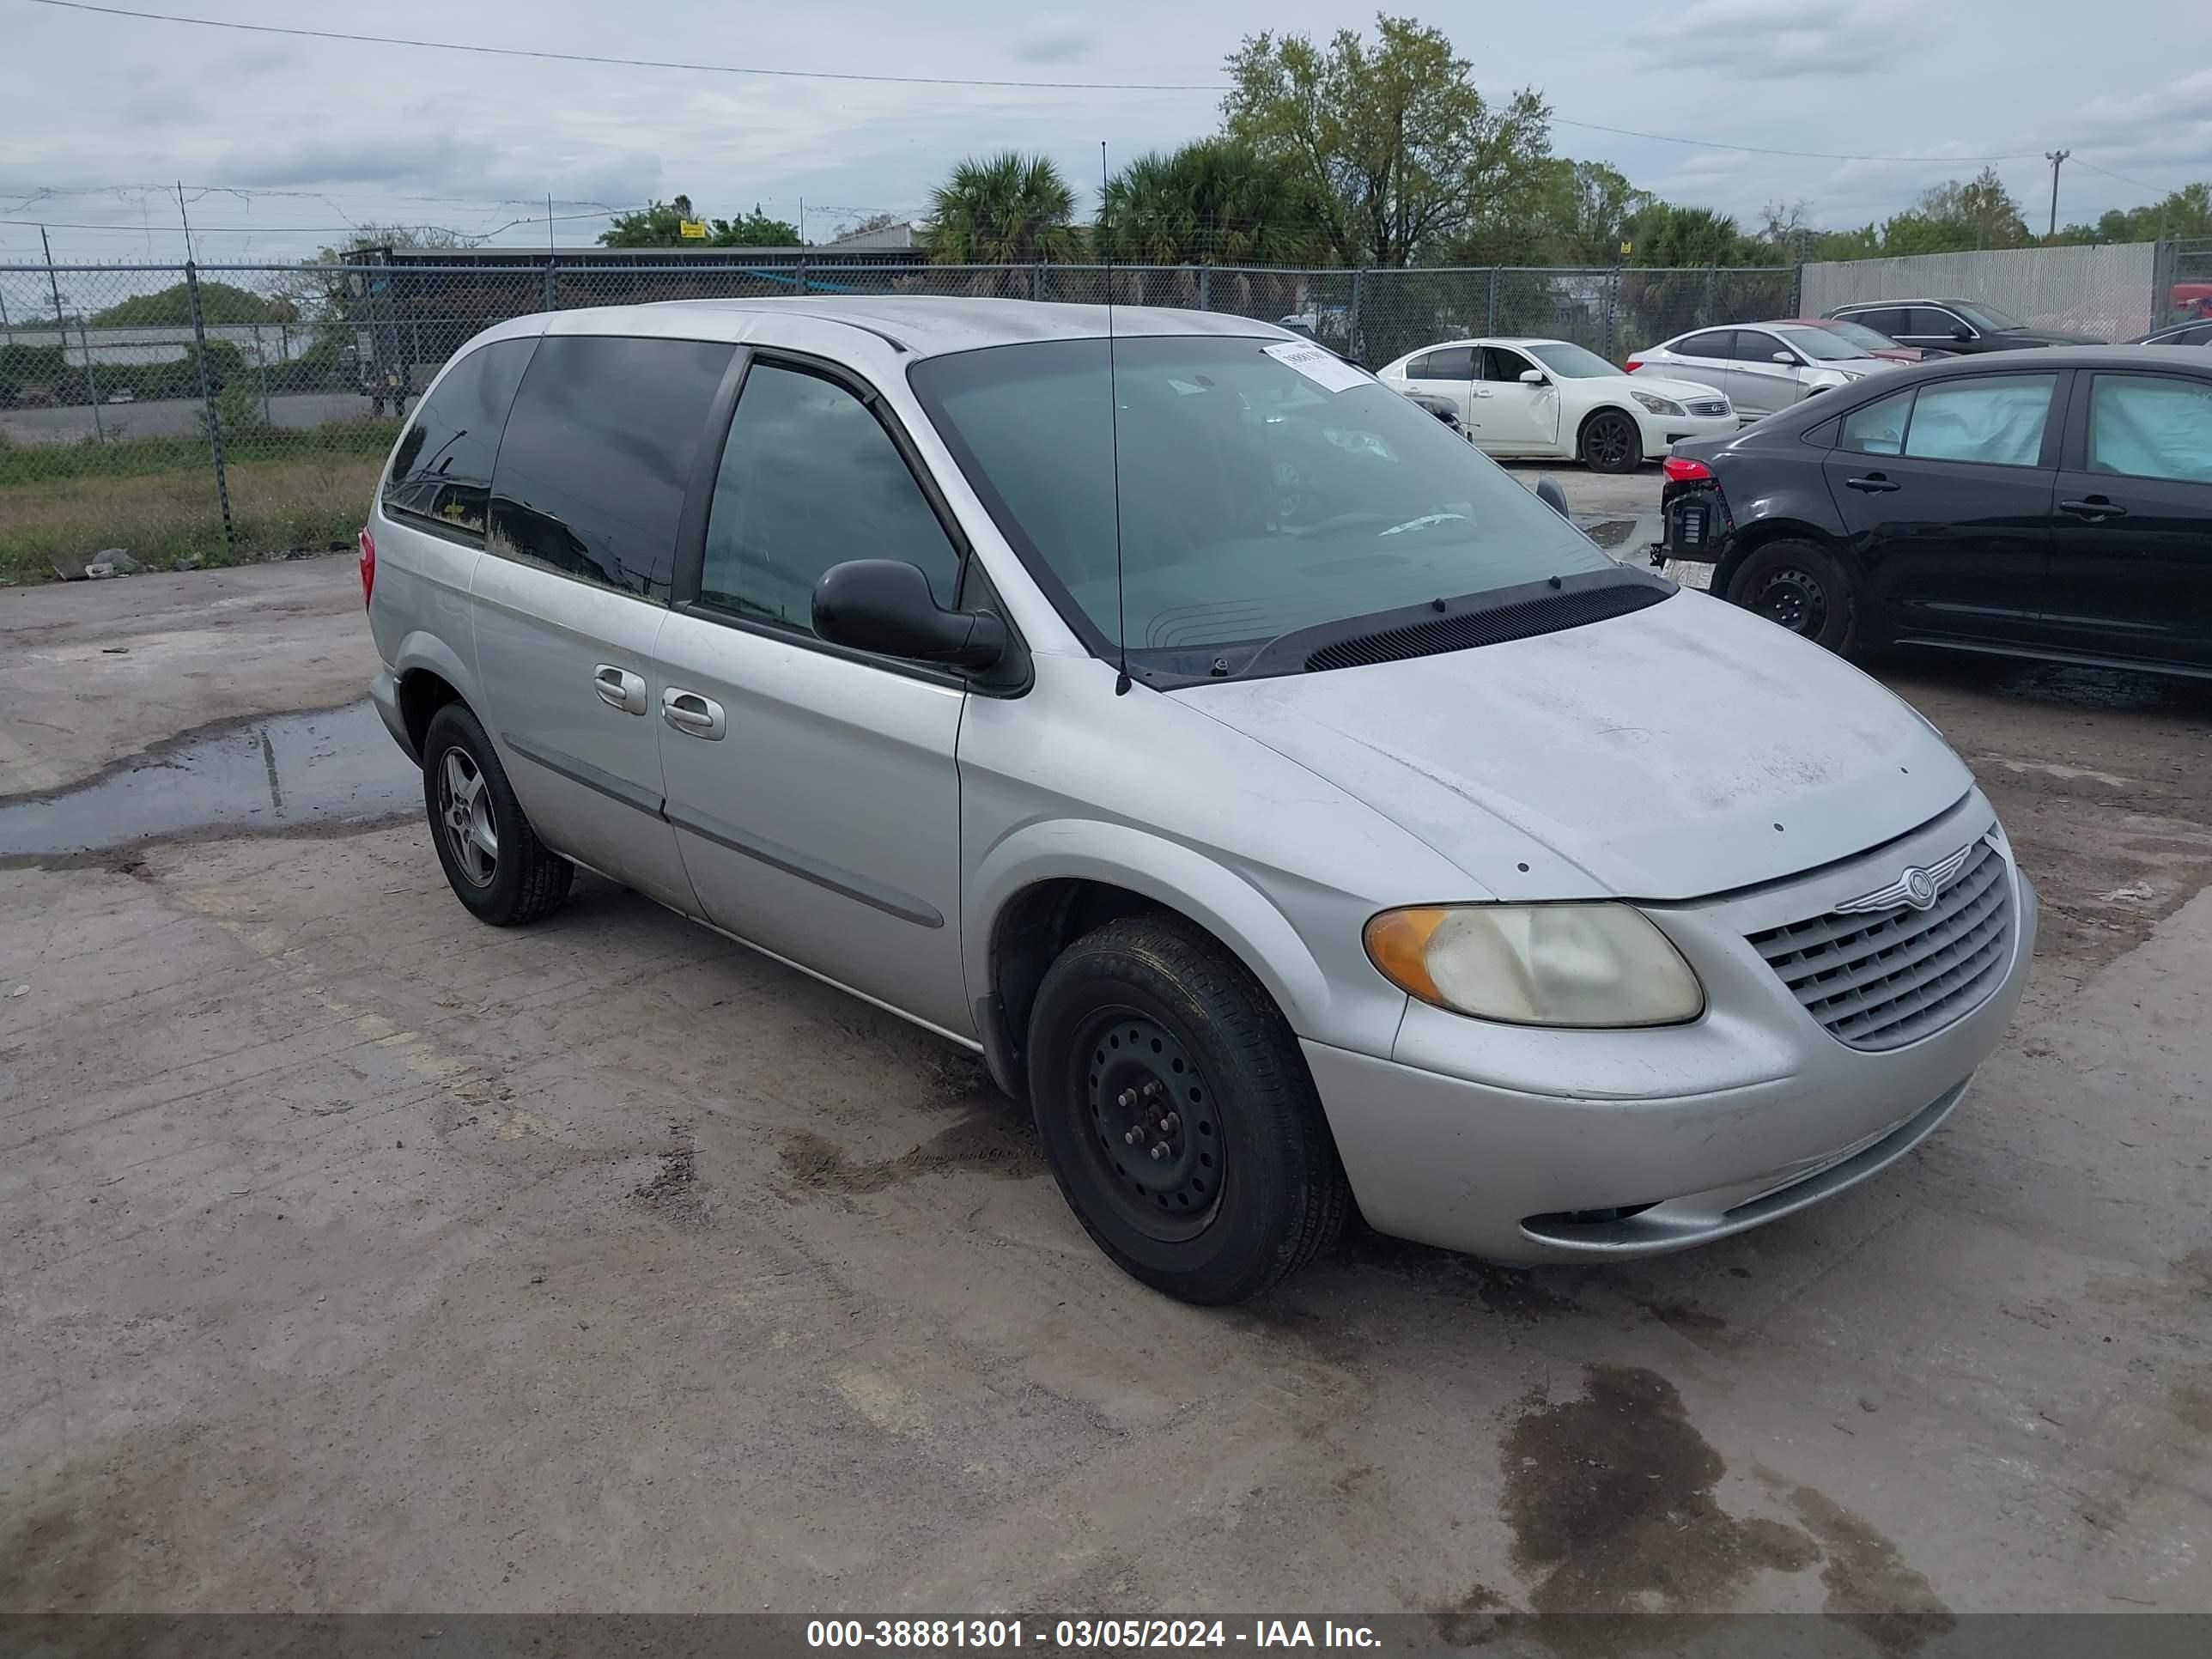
x,y
1686,749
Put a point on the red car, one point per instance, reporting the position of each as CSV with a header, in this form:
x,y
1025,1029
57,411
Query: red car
x,y
1870,342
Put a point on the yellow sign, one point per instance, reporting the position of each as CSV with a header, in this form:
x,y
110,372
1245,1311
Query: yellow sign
x,y
1627,248
692,230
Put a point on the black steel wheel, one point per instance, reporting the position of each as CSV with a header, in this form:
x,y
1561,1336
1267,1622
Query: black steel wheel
x,y
1177,1114
1802,587
1612,442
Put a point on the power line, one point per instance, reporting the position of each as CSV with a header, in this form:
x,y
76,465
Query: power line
x,y
2122,177
625,63
1747,149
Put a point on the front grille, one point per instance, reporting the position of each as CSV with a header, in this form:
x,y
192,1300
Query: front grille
x,y
1522,620
1707,406
1884,980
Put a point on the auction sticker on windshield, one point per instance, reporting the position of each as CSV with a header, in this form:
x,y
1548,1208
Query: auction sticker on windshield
x,y
1324,368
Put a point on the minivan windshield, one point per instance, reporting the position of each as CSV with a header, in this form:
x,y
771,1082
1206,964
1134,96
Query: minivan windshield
x,y
1265,487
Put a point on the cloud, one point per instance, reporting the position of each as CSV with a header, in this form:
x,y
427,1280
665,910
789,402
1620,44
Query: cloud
x,y
1776,40
1055,43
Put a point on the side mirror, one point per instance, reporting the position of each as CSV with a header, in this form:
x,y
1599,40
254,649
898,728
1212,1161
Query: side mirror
x,y
1549,493
1532,377
886,607
1960,331
1785,358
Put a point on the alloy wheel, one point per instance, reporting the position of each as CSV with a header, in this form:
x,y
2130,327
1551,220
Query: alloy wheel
x,y
464,818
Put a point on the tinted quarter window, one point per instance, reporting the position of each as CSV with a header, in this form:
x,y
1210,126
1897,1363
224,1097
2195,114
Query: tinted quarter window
x,y
809,478
1879,427
1891,320
442,472
2151,426
598,453
1994,418
1717,343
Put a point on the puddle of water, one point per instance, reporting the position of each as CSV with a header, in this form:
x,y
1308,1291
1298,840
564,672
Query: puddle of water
x,y
1627,536
291,772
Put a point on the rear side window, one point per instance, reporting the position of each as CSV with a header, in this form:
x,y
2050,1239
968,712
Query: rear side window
x,y
440,474
2151,426
1996,419
1926,319
599,453
1878,429
1887,319
809,478
1451,363
1716,343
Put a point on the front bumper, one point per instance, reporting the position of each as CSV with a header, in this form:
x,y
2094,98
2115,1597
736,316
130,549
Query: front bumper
x,y
1527,1146
1662,432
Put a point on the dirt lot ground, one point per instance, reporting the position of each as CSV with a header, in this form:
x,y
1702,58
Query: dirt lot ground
x,y
359,1257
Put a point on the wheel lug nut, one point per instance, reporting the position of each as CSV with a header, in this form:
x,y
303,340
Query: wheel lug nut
x,y
1170,1123
1159,1150
1126,1099
1133,1136
1152,1090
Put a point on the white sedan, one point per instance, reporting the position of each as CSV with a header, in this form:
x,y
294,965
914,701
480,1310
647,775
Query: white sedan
x,y
1554,399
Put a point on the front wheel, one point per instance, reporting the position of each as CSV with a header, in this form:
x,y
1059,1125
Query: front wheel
x,y
1177,1114
1804,588
1612,442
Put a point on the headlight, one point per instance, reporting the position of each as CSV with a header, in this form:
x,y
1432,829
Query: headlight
x,y
1538,964
1657,405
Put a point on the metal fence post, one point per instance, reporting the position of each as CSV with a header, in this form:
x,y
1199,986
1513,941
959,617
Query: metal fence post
x,y
1205,287
1612,305
1797,289
1496,272
1036,281
207,404
1352,330
802,275
261,367
552,292
61,334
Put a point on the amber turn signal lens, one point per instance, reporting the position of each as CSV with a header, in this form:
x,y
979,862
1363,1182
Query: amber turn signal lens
x,y
1398,946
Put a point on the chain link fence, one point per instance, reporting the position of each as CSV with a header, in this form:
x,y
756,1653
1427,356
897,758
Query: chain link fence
x,y
210,414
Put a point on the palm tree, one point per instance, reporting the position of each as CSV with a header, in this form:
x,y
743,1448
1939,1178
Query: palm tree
x,y
1214,202
1003,210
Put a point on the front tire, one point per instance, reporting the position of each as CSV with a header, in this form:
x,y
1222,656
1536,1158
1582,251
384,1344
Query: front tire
x,y
492,859
1178,1115
1803,587
1612,442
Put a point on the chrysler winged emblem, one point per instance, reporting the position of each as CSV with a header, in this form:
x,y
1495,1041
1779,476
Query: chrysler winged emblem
x,y
1918,887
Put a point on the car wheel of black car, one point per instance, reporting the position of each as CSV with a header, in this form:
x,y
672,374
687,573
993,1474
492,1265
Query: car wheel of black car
x,y
1177,1114
1802,587
1612,442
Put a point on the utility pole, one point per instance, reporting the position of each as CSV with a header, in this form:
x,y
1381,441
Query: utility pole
x,y
2055,157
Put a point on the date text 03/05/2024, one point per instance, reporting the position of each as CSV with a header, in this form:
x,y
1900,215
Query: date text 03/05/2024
x,y
1084,1635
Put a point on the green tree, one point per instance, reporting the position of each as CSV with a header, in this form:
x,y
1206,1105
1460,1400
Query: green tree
x,y
2184,212
1008,209
1664,234
1213,202
1398,150
661,225
172,308
1581,215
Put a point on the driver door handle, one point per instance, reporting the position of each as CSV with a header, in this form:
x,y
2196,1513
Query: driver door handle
x,y
2094,508
618,687
1873,484
1483,392
691,714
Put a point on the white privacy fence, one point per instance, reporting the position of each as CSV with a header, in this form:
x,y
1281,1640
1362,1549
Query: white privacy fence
x,y
2108,292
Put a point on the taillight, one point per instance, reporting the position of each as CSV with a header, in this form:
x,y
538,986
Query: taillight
x,y
368,565
1633,364
1681,468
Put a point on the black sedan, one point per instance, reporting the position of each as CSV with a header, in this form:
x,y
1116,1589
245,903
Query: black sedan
x,y
2052,504
1958,326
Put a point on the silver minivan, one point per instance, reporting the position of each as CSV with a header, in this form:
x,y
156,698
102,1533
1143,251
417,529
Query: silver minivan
x,y
1287,804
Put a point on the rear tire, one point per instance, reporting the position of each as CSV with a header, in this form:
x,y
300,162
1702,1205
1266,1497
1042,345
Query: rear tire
x,y
492,859
1803,587
1145,1034
1612,442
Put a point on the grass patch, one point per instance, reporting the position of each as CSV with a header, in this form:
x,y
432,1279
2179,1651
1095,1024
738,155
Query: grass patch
x,y
155,497
162,517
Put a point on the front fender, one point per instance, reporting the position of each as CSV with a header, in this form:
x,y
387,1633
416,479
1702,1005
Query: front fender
x,y
1361,1006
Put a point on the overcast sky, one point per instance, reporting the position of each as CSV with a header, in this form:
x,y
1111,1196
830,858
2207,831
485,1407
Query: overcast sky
x,y
392,133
